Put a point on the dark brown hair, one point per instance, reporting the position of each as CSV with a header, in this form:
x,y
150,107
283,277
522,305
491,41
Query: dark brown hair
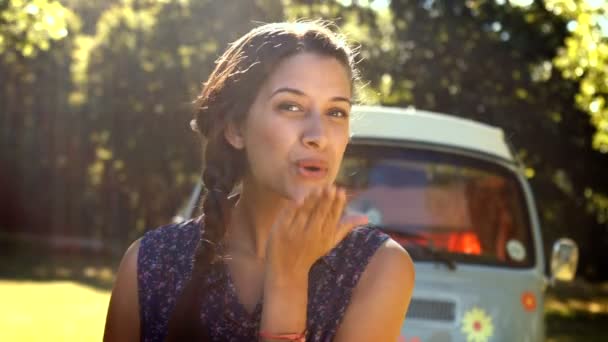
x,y
227,97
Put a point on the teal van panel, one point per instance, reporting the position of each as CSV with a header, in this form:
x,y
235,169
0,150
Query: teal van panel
x,y
474,303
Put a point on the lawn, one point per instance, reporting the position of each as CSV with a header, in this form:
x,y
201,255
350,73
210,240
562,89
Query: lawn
x,y
577,311
51,311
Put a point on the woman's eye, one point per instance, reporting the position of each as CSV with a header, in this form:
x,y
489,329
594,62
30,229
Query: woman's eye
x,y
339,113
290,107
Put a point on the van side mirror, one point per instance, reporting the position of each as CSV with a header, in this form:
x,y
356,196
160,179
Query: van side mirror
x,y
564,260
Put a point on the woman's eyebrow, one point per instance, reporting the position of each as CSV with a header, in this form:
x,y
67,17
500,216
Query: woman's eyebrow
x,y
288,90
301,93
342,99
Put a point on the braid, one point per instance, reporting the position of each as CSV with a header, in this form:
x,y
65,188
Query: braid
x,y
220,176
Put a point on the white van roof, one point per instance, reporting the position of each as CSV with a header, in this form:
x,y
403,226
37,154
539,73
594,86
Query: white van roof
x,y
415,125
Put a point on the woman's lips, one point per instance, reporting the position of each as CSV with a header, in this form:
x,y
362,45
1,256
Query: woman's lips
x,y
312,169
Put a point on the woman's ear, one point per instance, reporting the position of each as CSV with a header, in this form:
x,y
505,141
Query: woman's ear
x,y
234,135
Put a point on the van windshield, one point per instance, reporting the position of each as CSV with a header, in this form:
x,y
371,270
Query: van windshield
x,y
469,210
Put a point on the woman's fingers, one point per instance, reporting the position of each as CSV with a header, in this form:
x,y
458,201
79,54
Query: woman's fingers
x,y
320,211
337,206
341,224
347,223
302,213
319,218
287,214
305,232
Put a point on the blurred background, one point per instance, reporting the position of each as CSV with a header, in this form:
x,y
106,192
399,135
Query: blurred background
x,y
95,146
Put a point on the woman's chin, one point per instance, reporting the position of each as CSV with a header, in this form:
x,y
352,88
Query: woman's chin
x,y
294,194
299,193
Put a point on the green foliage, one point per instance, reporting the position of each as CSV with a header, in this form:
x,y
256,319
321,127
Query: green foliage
x,y
30,26
584,57
135,78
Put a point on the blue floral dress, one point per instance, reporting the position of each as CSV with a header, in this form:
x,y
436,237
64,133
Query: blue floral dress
x,y
164,266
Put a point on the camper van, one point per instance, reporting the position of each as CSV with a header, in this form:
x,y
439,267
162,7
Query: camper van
x,y
451,192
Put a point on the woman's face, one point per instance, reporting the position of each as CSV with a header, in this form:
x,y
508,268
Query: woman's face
x,y
298,126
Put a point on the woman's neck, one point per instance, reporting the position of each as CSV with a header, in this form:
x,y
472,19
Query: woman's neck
x,y
252,219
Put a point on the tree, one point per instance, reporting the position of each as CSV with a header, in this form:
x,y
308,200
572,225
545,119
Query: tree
x,y
584,57
27,27
35,43
135,81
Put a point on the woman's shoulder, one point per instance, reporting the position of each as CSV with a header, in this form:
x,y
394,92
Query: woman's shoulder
x,y
366,235
164,264
366,249
337,277
150,266
171,234
167,248
350,257
381,252
369,237
382,293
361,243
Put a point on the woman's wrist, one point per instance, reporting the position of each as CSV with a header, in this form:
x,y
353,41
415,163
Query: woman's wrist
x,y
285,303
285,279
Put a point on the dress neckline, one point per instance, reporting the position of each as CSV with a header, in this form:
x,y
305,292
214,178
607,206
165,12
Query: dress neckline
x,y
233,303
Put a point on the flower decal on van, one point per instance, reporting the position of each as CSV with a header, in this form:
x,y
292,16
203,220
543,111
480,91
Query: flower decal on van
x,y
477,325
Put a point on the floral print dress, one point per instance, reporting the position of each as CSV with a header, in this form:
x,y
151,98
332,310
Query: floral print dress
x,y
164,266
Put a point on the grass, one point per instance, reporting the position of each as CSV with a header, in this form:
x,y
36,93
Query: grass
x,y
577,312
50,295
51,311
577,326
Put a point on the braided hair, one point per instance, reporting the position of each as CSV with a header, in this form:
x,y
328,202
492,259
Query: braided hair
x,y
226,98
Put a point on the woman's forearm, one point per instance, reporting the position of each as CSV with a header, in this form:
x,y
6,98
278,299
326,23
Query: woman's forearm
x,y
285,305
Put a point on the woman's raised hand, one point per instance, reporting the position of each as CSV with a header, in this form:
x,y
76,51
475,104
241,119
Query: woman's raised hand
x,y
305,232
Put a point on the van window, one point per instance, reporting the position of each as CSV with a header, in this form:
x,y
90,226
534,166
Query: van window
x,y
470,210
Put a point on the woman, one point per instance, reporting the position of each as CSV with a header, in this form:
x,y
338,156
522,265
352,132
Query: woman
x,y
278,261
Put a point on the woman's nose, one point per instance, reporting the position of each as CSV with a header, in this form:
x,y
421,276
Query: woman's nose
x,y
315,135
